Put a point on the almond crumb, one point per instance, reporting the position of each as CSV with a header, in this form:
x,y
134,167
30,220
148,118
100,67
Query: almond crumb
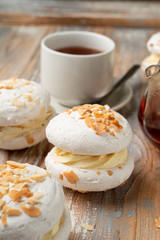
x,y
18,103
31,210
28,97
15,164
2,202
71,177
110,173
38,176
30,139
61,176
3,166
12,211
4,220
17,195
88,227
119,167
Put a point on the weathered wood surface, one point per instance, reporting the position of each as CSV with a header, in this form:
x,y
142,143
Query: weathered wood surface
x,y
127,212
106,13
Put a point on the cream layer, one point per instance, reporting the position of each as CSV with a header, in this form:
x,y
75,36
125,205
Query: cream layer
x,y
153,58
50,235
8,133
90,162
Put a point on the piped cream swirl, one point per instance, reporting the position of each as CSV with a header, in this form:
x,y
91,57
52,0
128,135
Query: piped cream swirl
x,y
90,162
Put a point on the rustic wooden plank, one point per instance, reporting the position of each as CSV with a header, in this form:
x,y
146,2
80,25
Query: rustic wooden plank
x,y
127,212
106,13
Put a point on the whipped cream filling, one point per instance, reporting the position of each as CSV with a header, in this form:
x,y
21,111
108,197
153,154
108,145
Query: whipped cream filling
x,y
8,133
50,235
153,58
90,162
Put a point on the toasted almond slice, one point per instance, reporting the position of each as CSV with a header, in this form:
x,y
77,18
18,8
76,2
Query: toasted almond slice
x,y
30,139
17,195
2,202
71,177
26,83
6,172
4,190
88,227
31,210
89,122
38,195
12,211
28,97
23,180
3,166
33,200
100,129
36,100
38,176
61,176
19,171
4,184
110,173
7,179
18,103
16,164
18,186
4,220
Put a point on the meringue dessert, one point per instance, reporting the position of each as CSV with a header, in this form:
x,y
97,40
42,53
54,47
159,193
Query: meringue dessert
x,y
153,46
32,205
90,152
24,114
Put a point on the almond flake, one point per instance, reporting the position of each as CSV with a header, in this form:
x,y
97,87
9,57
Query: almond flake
x,y
4,190
88,227
31,210
28,97
30,139
61,176
18,103
4,184
119,167
12,211
2,203
33,201
71,177
17,195
100,129
36,100
4,220
16,164
89,122
110,173
25,83
38,176
19,171
18,186
38,195
3,166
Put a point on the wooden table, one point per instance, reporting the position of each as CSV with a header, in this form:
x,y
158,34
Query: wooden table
x,y
129,211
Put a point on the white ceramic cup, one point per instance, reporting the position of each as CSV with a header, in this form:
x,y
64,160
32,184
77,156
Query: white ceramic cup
x,y
77,79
